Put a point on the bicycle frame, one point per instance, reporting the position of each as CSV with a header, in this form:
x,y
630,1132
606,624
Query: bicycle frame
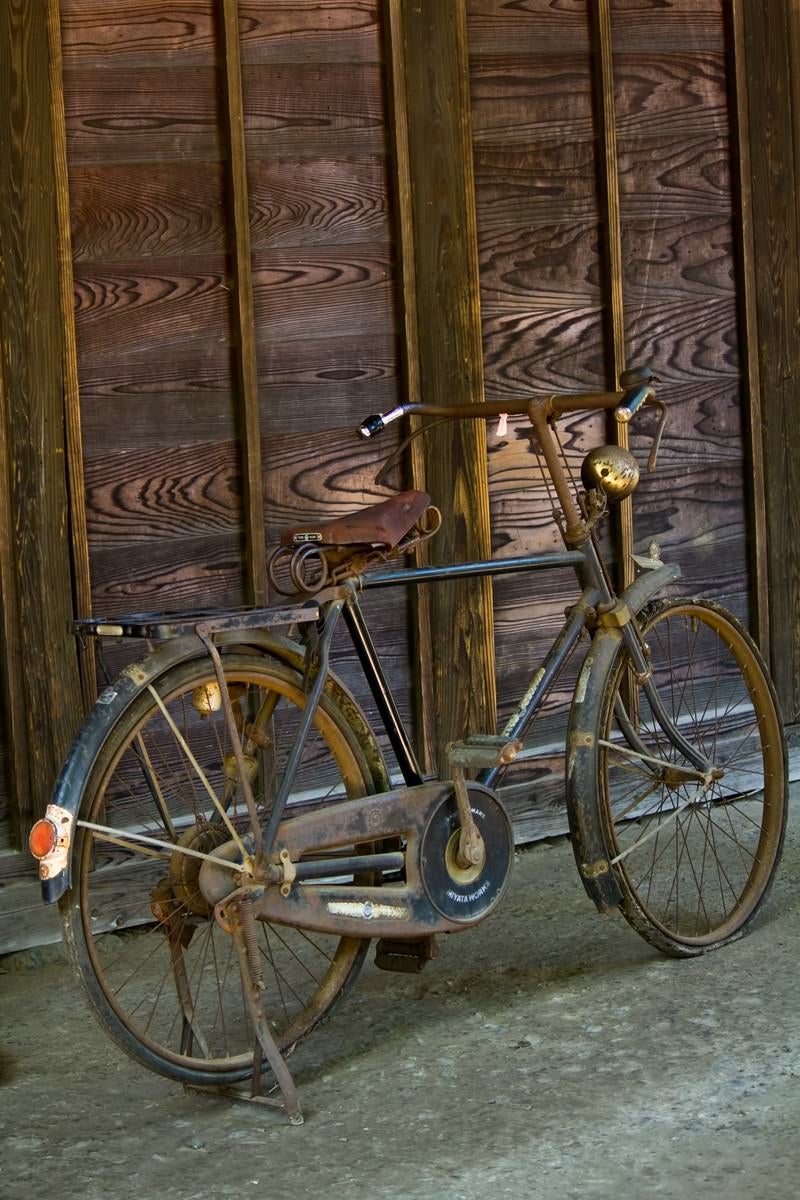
x,y
596,605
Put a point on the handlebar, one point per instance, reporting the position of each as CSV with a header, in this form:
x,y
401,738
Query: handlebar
x,y
637,391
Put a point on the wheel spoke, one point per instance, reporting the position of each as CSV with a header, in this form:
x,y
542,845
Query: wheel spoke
x,y
161,801
695,860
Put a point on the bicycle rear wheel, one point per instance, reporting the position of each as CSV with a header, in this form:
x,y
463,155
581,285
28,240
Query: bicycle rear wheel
x,y
160,973
693,861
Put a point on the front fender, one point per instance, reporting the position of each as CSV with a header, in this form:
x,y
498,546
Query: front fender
x,y
588,843
56,869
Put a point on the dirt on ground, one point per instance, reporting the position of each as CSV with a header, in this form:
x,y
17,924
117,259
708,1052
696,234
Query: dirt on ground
x,y
549,1053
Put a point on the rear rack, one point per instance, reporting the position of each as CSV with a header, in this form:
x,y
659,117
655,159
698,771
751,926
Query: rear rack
x,y
158,626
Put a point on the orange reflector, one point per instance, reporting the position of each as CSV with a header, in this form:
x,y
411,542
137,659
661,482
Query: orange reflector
x,y
42,838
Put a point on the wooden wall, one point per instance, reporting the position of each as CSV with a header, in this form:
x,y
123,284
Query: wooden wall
x,y
273,234
159,337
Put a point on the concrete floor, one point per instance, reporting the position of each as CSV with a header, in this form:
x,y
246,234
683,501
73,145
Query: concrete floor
x,y
548,1053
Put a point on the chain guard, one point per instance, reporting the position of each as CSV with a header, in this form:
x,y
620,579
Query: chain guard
x,y
467,895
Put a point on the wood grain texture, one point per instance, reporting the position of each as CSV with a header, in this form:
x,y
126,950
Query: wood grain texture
x,y
660,95
138,32
132,212
342,379
45,684
544,269
142,114
323,292
313,31
769,32
304,203
168,575
300,110
432,85
73,438
535,99
126,306
138,400
139,495
680,25
539,352
612,272
746,255
244,319
498,27
333,480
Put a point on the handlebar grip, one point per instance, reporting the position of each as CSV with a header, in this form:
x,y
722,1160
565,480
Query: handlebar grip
x,y
378,421
635,376
371,425
633,402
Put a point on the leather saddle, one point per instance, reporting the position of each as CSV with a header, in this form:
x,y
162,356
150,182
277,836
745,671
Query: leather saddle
x,y
384,524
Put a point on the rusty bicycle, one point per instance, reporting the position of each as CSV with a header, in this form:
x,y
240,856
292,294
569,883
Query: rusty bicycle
x,y
225,839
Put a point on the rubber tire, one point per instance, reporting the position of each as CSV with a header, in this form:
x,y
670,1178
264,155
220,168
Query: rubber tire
x,y
75,906
594,769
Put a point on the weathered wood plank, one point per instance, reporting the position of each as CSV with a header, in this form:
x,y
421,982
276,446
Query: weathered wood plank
x,y
685,340
534,353
146,114
124,212
243,308
436,190
313,31
661,96
774,171
640,25
524,187
319,202
507,27
324,290
314,110
168,575
678,176
749,336
143,494
45,686
540,99
138,32
549,267
332,477
73,440
122,306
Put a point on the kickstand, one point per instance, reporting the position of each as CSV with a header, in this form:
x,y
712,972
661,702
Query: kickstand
x,y
241,923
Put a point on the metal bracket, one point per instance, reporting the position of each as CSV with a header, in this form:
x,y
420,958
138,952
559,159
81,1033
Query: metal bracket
x,y
614,618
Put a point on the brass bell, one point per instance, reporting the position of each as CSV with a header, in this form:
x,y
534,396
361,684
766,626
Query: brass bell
x,y
612,470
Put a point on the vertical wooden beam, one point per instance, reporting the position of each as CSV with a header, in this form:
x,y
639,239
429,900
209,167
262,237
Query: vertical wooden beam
x,y
766,32
79,538
440,280
42,679
749,327
250,420
612,258
423,673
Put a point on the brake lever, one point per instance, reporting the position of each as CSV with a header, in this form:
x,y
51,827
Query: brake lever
x,y
652,456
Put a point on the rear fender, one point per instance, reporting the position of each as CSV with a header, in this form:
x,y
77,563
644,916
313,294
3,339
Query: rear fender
x,y
588,842
55,871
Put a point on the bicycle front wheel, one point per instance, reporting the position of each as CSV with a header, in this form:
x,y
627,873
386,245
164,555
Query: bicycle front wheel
x,y
160,973
694,859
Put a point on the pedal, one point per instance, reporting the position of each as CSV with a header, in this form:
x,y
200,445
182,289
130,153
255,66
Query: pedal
x,y
408,957
483,750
